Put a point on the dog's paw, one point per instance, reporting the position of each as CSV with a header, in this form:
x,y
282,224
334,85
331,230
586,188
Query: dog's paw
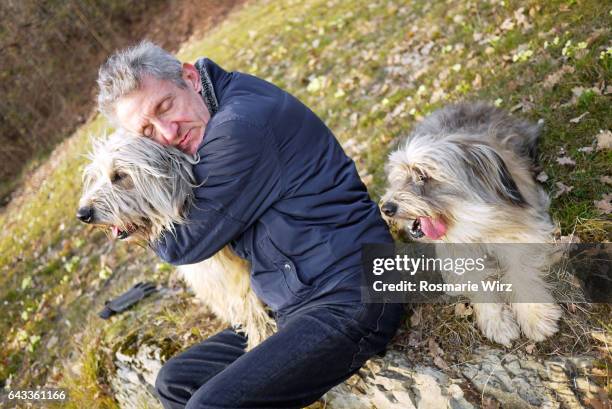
x,y
537,321
497,323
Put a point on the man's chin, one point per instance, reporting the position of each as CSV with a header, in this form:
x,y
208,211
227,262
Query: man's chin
x,y
191,149
194,144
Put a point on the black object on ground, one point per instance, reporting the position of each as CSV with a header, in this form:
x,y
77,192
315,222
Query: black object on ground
x,y
127,299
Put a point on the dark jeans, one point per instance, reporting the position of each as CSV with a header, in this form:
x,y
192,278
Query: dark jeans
x,y
314,349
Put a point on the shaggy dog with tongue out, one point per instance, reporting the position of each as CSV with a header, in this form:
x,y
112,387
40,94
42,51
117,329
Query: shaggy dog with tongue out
x,y
465,175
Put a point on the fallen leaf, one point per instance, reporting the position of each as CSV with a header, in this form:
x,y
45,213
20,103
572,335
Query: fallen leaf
x,y
521,19
604,205
414,338
578,118
508,24
562,189
441,363
606,179
578,91
602,337
434,348
530,348
604,140
463,310
586,149
571,239
490,403
415,319
566,160
542,177
596,403
554,78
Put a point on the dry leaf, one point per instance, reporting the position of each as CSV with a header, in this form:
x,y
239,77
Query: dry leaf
x,y
596,403
463,310
414,338
521,19
490,403
554,78
602,337
542,177
604,140
578,118
530,348
578,91
586,149
415,319
569,239
604,205
441,363
566,160
562,189
434,348
508,24
606,179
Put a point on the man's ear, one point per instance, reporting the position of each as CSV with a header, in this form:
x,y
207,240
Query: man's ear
x,y
192,77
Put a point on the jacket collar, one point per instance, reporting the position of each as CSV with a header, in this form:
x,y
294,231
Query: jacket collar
x,y
214,80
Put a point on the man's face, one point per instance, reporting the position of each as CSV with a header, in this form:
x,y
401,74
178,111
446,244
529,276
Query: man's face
x,y
166,113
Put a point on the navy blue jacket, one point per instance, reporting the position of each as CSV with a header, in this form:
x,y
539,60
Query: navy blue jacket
x,y
281,191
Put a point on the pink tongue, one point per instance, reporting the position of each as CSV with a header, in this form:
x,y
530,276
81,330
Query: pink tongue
x,y
115,231
433,228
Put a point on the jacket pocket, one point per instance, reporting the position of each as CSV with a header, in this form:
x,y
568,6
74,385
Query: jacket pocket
x,y
286,266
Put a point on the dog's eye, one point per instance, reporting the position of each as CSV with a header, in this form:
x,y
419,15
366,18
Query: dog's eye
x,y
421,177
118,177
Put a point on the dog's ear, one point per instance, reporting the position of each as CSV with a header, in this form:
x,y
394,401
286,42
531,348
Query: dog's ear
x,y
489,169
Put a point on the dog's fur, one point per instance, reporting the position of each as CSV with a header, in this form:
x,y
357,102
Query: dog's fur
x,y
465,175
140,189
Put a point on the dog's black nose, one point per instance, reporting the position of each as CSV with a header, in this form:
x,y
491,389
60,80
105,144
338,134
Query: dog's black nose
x,y
85,214
389,208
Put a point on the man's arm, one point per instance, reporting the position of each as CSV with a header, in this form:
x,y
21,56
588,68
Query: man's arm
x,y
240,177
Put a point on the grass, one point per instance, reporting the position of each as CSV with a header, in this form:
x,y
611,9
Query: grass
x,y
370,72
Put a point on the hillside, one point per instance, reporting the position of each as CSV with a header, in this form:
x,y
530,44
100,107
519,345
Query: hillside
x,y
370,72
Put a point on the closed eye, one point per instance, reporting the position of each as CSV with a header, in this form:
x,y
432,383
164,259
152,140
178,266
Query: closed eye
x,y
165,105
117,177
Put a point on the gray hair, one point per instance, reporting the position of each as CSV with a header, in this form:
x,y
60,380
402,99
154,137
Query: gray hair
x,y
123,72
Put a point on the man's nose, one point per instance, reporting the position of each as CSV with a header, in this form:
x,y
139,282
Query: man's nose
x,y
167,131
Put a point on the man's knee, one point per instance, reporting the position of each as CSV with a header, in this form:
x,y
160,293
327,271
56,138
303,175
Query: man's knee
x,y
167,386
215,394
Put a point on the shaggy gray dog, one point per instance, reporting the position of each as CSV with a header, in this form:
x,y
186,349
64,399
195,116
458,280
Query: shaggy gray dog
x,y
139,189
465,176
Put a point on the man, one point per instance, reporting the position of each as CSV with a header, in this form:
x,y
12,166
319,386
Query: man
x,y
279,189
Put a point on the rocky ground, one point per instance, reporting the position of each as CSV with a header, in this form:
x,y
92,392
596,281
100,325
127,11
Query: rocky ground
x,y
489,377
